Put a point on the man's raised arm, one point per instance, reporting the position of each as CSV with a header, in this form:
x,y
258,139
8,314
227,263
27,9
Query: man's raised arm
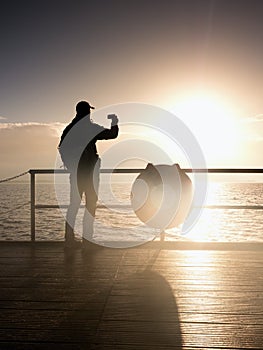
x,y
112,133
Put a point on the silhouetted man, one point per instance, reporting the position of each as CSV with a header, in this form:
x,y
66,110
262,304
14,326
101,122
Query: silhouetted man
x,y
79,155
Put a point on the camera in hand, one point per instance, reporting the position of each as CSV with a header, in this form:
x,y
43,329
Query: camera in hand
x,y
111,116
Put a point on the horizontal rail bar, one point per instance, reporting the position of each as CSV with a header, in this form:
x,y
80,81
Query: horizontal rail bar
x,y
138,170
105,171
116,206
254,207
226,171
65,206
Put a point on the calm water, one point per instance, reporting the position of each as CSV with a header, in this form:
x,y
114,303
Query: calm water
x,y
213,225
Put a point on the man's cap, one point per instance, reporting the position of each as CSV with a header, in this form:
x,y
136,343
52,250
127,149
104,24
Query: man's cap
x,y
83,106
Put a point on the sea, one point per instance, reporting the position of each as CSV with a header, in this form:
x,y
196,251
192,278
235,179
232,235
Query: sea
x,y
117,221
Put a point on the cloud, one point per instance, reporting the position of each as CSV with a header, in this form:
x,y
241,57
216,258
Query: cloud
x,y
253,137
58,127
252,131
2,118
258,118
28,145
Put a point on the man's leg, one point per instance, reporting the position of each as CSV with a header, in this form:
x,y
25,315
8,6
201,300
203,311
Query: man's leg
x,y
75,200
91,198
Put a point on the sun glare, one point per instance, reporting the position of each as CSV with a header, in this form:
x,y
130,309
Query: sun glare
x,y
214,125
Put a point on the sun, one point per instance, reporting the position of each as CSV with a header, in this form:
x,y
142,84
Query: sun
x,y
213,123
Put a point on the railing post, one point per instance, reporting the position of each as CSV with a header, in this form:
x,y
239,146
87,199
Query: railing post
x,y
33,205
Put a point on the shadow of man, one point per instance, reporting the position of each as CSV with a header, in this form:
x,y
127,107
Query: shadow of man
x,y
141,313
122,310
153,318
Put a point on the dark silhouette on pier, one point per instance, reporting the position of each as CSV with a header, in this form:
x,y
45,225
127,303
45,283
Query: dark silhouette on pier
x,y
79,155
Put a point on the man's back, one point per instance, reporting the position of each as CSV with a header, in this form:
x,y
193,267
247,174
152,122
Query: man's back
x,y
78,141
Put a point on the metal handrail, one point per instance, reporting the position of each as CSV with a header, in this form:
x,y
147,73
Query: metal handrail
x,y
138,170
35,206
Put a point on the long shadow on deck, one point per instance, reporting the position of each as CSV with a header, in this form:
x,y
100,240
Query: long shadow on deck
x,y
141,313
125,310
109,299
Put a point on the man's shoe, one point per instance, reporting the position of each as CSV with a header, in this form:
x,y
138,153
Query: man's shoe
x,y
72,244
88,245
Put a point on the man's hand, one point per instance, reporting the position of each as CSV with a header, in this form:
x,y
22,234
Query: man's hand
x,y
114,119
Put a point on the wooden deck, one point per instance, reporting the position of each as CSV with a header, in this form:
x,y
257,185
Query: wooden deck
x,y
146,298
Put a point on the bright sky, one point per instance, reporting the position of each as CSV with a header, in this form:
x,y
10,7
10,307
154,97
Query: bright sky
x,y
200,59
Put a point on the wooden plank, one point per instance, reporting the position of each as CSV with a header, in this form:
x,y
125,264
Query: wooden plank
x,y
185,327
34,317
59,334
184,244
57,295
46,346
234,341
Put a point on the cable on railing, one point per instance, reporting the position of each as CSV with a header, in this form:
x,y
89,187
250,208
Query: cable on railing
x,y
13,177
